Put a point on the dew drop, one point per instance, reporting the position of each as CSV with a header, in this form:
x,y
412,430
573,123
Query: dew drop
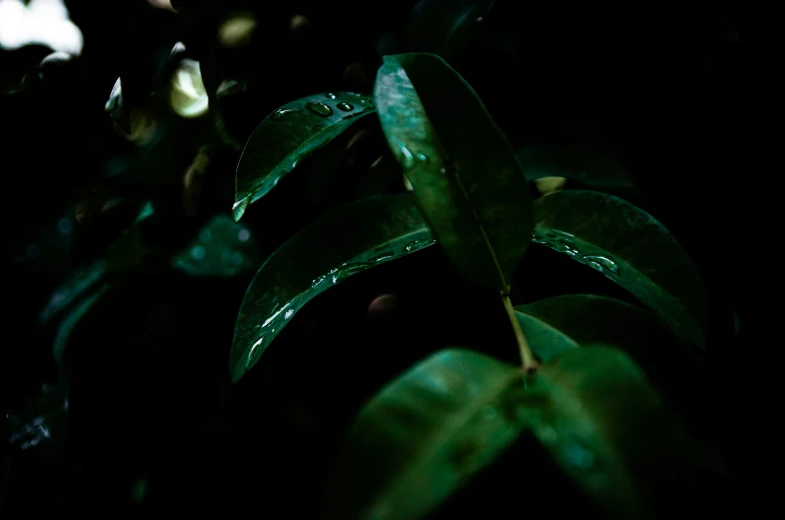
x,y
278,114
408,156
601,263
239,208
289,314
318,280
198,253
417,245
329,95
254,353
319,109
346,107
380,258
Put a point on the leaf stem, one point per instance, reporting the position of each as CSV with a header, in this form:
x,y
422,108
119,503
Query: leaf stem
x,y
530,364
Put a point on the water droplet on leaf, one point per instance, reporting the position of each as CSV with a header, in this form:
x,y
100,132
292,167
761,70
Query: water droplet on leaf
x,y
198,253
278,114
329,95
319,109
346,107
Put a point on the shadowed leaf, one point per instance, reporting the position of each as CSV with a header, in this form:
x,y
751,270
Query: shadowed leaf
x,y
467,180
424,435
631,248
672,366
345,241
289,134
223,248
608,429
592,169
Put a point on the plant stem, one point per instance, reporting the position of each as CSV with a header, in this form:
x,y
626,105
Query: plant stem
x,y
530,364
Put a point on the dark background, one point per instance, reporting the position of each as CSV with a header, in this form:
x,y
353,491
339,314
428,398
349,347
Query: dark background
x,y
685,96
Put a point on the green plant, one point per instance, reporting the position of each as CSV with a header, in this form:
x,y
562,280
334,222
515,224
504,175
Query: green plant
x,y
596,386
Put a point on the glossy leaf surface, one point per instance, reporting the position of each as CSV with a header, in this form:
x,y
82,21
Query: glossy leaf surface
x,y
631,248
423,435
289,134
466,177
345,241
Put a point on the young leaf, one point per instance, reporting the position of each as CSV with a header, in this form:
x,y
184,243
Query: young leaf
x,y
607,428
424,435
223,248
466,177
547,342
345,241
288,135
629,247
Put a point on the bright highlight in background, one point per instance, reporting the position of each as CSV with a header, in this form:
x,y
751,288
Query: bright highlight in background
x,y
44,22
188,97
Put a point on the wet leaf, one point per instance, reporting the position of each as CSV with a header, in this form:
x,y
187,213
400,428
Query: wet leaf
x,y
631,248
424,435
223,248
84,280
467,180
289,134
594,410
347,240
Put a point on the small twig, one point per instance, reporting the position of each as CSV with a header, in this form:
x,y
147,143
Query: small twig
x,y
530,364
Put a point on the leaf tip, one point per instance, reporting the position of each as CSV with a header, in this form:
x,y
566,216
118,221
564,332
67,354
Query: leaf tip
x,y
238,209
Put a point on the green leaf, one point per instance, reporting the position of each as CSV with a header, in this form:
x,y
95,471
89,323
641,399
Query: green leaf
x,y
223,248
289,134
595,170
631,248
594,410
347,240
671,365
468,182
74,287
424,435
546,342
